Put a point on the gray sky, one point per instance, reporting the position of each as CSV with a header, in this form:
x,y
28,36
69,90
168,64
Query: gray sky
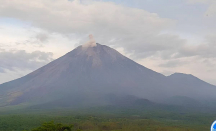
x,y
167,36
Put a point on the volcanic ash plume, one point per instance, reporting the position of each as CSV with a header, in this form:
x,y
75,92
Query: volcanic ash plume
x,y
91,42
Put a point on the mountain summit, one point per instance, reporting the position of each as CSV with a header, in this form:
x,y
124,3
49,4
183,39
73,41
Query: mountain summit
x,y
91,74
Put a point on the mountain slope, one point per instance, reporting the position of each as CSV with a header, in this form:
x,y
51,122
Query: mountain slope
x,y
191,86
88,74
86,71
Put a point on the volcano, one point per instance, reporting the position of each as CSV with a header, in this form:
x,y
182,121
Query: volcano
x,y
95,75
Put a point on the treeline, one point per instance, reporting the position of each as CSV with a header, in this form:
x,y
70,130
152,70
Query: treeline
x,y
111,126
51,126
41,122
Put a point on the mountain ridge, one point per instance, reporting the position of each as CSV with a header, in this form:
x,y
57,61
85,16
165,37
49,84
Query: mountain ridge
x,y
189,76
92,72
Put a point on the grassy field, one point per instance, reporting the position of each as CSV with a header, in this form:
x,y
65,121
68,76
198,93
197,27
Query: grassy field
x,y
112,120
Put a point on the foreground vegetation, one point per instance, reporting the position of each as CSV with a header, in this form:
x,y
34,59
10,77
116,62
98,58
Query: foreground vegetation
x,y
106,122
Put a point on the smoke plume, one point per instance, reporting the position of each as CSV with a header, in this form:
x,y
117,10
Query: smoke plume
x,y
91,42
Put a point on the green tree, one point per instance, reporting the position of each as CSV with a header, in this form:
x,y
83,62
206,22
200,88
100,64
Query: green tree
x,y
51,126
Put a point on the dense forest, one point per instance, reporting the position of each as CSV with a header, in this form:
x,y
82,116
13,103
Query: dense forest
x,y
105,122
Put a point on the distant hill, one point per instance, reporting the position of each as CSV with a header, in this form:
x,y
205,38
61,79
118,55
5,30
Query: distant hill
x,y
191,86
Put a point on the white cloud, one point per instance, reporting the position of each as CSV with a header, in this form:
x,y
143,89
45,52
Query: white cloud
x,y
135,29
67,17
199,1
42,37
211,10
20,59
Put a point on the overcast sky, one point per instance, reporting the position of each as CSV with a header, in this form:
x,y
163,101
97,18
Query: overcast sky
x,y
167,36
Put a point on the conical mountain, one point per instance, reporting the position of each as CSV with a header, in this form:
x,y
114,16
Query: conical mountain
x,y
85,71
91,74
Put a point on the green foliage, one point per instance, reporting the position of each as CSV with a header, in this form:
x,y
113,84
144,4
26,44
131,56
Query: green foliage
x,y
127,121
51,126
